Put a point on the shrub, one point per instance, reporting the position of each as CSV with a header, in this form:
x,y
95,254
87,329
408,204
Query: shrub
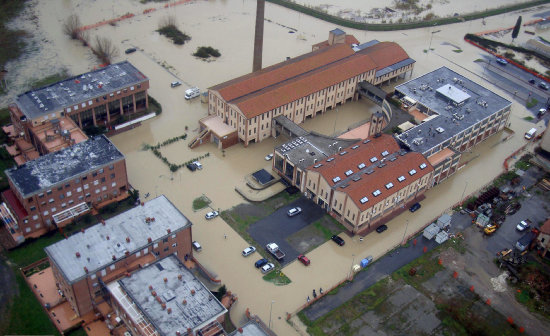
x,y
205,52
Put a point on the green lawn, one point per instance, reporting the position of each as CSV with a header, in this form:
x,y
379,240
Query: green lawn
x,y
33,249
12,38
26,315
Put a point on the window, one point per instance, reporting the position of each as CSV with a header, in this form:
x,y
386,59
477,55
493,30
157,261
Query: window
x,y
336,179
86,186
94,174
173,236
54,209
35,217
111,167
69,194
68,185
33,208
155,245
389,185
61,196
79,189
49,192
364,200
385,153
112,176
349,172
112,267
103,180
63,205
101,171
88,195
361,165
96,182
50,200
71,202
423,165
138,254
175,244
113,184
97,191
145,250
37,226
376,192
46,213
165,240
401,178
412,172
166,249
40,195
77,181
103,188
373,159
103,273
93,276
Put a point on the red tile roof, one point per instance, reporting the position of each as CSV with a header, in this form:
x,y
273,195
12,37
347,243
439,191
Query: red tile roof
x,y
291,80
14,204
385,54
381,176
350,39
274,74
354,157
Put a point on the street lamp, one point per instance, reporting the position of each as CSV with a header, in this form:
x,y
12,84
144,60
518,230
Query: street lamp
x,y
431,38
270,310
405,233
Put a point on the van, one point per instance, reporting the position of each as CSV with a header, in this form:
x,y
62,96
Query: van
x,y
192,93
530,134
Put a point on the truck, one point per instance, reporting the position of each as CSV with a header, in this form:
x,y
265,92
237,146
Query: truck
x,y
526,240
192,93
275,251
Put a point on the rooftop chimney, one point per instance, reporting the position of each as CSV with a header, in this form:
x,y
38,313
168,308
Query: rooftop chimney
x,y
259,36
78,254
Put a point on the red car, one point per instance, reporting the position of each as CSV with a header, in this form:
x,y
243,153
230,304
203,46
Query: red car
x,y
303,259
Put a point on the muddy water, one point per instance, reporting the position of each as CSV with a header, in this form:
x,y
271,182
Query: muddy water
x,y
228,26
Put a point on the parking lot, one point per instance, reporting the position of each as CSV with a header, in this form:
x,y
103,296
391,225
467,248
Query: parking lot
x,y
278,226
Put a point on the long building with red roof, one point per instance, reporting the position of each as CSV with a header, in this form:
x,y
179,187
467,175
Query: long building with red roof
x,y
300,88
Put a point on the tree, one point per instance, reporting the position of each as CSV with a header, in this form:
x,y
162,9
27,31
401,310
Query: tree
x,y
515,32
104,49
71,27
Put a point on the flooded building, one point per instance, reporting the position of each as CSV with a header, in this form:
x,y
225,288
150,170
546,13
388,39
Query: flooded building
x,y
165,298
48,192
359,182
87,263
299,88
454,115
51,117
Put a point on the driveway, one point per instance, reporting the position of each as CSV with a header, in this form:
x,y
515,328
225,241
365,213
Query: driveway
x,y
278,226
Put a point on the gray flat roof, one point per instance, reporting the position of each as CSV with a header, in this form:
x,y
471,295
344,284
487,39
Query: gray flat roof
x,y
188,309
251,328
365,45
394,67
468,105
302,151
96,251
51,169
78,89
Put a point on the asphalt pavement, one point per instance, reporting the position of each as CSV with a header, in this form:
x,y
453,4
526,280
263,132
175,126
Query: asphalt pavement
x,y
276,227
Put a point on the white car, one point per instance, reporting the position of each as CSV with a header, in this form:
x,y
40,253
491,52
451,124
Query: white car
x,y
197,246
294,211
524,224
248,251
267,268
197,164
211,214
268,157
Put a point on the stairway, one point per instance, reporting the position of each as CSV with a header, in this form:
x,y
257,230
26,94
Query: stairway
x,y
199,138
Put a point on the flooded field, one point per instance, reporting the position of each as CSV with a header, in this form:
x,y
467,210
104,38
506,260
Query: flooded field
x,y
228,26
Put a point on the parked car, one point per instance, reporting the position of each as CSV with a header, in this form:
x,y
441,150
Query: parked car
x,y
268,157
248,251
381,228
294,211
175,84
544,86
267,268
192,93
523,225
130,50
191,166
196,246
541,112
502,61
415,207
211,214
532,82
304,259
338,240
260,262
197,164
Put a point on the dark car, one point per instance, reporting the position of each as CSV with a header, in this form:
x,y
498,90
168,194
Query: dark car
x,y
191,166
260,262
304,259
414,207
381,228
130,50
532,82
338,240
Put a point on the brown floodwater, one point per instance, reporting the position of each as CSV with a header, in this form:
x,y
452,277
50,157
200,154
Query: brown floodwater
x,y
229,26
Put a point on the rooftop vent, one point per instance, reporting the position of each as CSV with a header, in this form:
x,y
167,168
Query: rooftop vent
x,y
440,130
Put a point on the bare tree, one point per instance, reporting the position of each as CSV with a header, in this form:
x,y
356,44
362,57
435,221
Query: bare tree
x,y
71,27
168,21
104,49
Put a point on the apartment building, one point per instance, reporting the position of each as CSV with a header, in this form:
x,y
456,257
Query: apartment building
x,y
51,117
454,115
360,183
301,88
48,192
165,298
85,264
